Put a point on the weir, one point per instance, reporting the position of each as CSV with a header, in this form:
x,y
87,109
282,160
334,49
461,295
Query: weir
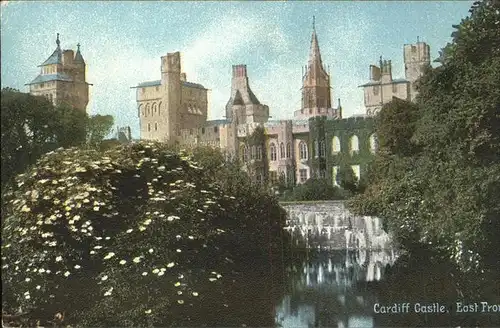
x,y
330,225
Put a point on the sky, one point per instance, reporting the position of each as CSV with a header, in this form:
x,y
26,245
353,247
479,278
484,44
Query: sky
x,y
122,43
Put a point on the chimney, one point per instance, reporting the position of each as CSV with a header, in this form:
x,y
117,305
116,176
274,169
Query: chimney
x,y
239,71
183,77
68,57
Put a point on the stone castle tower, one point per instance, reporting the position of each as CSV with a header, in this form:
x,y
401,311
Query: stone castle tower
x,y
243,106
62,78
316,93
169,105
416,58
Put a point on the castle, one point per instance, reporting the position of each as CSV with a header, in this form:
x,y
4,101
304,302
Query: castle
x,y
315,143
62,79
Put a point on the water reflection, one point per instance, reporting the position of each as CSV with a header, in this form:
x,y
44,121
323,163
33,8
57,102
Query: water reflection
x,y
330,289
340,289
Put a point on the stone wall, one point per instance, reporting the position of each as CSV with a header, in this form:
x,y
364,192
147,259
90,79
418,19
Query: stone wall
x,y
330,225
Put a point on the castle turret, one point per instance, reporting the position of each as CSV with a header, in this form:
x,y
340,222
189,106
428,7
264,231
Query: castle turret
x,y
416,58
171,83
62,79
243,106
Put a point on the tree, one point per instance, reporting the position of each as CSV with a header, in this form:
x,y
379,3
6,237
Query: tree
x,y
32,126
346,179
99,126
442,188
315,189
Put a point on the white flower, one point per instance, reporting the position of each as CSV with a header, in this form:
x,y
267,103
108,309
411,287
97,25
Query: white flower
x,y
147,311
178,251
156,271
144,273
190,237
179,292
195,294
122,262
104,278
98,246
42,270
130,230
141,228
151,250
77,266
59,259
108,293
67,273
137,259
109,255
27,297
171,264
38,287
27,279
212,279
219,276
161,273
92,252
177,284
180,301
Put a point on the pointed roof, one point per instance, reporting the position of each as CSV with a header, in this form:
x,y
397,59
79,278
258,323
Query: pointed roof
x,y
78,56
238,100
314,54
56,57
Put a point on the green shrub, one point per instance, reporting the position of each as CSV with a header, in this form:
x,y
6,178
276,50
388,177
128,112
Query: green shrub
x,y
138,235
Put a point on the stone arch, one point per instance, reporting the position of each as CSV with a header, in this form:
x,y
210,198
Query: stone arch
x,y
159,108
336,145
140,110
153,108
148,109
354,144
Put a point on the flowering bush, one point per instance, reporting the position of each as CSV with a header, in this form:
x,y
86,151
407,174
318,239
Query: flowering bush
x,y
137,235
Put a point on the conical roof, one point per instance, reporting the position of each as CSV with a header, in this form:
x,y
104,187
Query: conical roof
x,y
56,57
78,56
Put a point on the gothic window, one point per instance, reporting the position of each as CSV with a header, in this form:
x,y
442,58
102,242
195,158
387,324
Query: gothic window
x,y
316,148
156,126
216,129
282,150
303,150
288,150
154,108
253,151
373,143
148,110
273,176
354,144
272,150
259,152
149,127
159,107
322,149
335,145
140,110
202,130
356,171
375,90
394,88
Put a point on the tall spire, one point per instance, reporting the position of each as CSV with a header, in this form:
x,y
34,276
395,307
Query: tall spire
x,y
57,41
314,55
78,55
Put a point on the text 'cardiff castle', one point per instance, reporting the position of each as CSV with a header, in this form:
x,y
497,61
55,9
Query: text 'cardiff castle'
x,y
312,144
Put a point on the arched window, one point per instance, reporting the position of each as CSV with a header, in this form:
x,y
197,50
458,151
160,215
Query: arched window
x,y
149,127
282,150
159,107
354,144
140,110
272,150
156,126
322,149
373,143
288,150
253,152
147,110
259,152
154,108
303,150
335,145
316,148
